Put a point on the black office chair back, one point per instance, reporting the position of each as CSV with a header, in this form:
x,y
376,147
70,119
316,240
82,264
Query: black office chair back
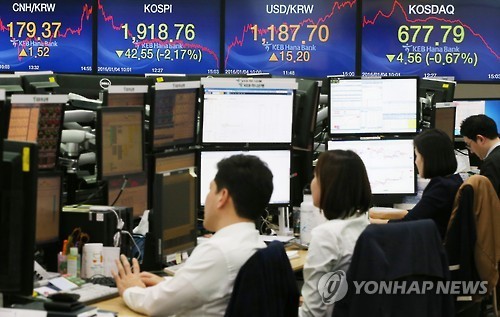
x,y
265,286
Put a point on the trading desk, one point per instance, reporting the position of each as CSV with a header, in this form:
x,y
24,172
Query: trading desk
x,y
117,304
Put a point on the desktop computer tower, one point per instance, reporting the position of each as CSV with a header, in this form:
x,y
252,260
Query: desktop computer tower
x,y
101,225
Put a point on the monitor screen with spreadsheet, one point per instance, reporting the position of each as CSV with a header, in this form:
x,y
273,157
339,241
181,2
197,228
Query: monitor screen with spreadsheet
x,y
173,114
248,110
389,163
120,141
38,119
373,105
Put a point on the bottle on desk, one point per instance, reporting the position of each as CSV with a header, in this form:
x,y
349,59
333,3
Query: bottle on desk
x,y
73,262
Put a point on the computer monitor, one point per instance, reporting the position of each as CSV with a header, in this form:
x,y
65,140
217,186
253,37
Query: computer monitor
x,y
173,115
389,163
131,191
48,206
173,218
167,161
38,119
11,83
278,161
304,117
91,86
467,108
247,110
125,96
119,141
17,219
373,105
43,83
432,91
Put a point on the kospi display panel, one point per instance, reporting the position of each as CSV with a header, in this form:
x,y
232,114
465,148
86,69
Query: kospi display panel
x,y
38,36
309,40
431,38
138,37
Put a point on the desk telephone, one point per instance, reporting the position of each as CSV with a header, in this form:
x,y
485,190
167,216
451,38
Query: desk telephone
x,y
41,276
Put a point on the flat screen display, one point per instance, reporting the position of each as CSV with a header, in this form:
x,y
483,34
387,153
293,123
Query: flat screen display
x,y
290,38
120,141
278,162
173,114
467,108
389,163
37,36
431,39
260,112
38,119
373,105
139,37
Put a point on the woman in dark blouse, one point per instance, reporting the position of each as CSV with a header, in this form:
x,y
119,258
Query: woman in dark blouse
x,y
435,160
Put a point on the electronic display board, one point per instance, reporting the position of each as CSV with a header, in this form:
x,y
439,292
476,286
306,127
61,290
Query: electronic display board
x,y
139,37
38,36
431,39
308,39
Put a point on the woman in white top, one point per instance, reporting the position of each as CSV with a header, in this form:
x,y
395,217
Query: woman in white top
x,y
340,188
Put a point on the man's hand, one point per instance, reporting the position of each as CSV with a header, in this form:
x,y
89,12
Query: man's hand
x,y
150,279
127,276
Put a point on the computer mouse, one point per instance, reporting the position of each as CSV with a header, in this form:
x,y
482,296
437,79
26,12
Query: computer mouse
x,y
64,297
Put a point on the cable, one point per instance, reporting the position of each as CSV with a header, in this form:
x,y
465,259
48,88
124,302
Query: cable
x,y
124,184
91,196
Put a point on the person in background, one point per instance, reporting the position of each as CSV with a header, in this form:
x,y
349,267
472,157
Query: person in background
x,y
481,138
238,195
435,160
340,188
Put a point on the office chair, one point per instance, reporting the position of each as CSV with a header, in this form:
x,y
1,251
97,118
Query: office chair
x,y
265,286
400,253
472,240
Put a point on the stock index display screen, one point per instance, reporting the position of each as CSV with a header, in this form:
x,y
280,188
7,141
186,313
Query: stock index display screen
x,y
291,38
431,38
37,36
137,37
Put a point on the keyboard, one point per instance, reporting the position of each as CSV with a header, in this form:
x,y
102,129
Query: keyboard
x,y
92,293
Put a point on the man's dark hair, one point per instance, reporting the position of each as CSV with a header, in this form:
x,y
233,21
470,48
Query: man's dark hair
x,y
344,185
479,124
438,153
249,182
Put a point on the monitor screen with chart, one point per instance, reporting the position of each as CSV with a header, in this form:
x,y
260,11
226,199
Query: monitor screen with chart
x,y
278,162
389,163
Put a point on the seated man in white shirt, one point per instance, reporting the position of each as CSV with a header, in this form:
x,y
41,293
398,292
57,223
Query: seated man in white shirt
x,y
238,195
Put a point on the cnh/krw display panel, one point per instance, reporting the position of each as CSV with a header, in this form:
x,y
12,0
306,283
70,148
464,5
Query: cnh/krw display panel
x,y
389,163
278,162
439,38
290,38
55,35
373,105
139,37
247,110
